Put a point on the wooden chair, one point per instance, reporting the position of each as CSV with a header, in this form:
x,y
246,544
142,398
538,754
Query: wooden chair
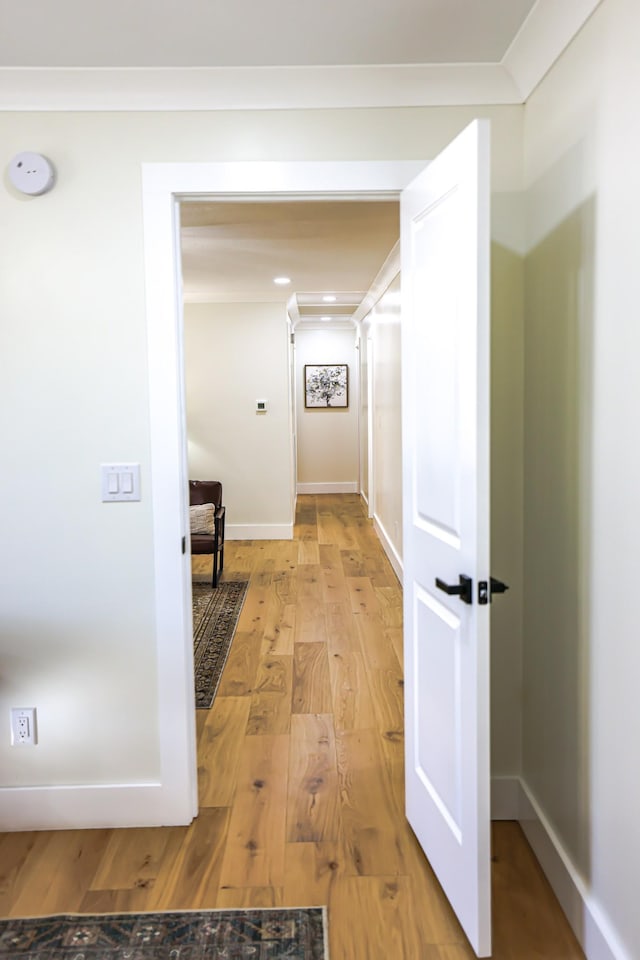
x,y
209,491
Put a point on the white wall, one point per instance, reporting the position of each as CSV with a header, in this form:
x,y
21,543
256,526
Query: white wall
x,y
235,354
582,471
77,613
328,447
382,327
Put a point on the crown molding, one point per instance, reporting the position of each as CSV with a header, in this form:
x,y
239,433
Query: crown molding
x,y
543,37
547,31
254,88
203,295
306,325
382,281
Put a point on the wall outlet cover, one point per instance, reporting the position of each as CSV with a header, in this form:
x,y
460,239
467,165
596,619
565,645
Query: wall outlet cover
x,y
23,727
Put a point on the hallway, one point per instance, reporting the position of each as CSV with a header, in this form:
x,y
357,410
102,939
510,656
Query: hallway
x,y
300,776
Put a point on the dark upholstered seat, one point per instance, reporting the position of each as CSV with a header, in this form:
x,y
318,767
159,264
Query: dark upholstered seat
x,y
209,491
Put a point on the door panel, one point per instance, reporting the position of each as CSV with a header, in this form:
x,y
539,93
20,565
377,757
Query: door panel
x,y
437,682
437,426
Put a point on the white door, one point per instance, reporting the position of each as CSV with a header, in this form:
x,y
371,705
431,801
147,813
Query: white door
x,y
445,370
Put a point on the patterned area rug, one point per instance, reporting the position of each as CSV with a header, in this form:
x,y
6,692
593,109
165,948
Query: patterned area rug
x,y
215,616
298,934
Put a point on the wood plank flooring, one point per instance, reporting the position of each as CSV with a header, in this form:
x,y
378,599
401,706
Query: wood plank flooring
x,y
300,777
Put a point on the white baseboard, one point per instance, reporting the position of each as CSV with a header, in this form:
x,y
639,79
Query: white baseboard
x,y
259,531
390,550
589,922
511,799
87,807
346,487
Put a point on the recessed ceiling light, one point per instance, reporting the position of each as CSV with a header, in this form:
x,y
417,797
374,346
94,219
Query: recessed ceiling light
x,y
325,318
329,298
282,281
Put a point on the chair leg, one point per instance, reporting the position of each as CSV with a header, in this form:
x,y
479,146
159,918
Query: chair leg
x,y
222,559
214,581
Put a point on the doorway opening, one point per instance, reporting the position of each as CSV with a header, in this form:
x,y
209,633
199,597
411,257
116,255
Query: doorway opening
x,y
260,279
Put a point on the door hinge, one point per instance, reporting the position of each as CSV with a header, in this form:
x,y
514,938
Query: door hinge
x,y
184,545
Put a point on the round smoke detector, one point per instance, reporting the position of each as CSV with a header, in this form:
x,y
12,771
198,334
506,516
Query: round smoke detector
x,y
31,173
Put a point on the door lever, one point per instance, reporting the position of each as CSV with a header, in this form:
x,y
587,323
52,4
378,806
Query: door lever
x,y
487,590
463,589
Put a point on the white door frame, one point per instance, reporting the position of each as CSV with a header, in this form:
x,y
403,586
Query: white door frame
x,y
293,414
371,399
163,186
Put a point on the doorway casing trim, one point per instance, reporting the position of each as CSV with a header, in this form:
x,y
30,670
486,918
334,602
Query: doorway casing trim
x,y
164,186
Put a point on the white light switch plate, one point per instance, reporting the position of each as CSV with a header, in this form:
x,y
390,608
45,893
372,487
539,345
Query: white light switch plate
x,y
120,481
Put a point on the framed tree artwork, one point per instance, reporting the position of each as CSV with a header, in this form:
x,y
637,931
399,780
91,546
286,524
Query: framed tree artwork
x,y
326,385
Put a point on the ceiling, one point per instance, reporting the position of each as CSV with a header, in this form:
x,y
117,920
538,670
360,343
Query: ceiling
x,y
205,33
232,251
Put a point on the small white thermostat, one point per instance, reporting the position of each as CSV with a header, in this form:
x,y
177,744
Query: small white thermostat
x,y
31,173
261,406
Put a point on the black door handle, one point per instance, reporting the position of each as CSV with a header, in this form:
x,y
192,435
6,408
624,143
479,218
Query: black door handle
x,y
463,589
487,590
497,586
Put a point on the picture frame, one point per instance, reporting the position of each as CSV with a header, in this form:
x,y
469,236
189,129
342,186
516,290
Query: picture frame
x,y
326,386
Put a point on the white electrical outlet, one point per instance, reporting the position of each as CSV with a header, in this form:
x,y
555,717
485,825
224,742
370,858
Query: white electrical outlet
x,y
23,726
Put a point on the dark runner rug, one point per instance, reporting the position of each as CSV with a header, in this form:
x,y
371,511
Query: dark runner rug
x,y
215,617
298,934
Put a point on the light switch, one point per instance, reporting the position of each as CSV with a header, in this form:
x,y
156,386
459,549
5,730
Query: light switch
x,y
126,480
120,481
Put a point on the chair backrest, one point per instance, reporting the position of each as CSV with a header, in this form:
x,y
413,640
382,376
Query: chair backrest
x,y
205,491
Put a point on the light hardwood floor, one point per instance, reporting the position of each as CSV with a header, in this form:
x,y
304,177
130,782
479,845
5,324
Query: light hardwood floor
x,y
300,777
